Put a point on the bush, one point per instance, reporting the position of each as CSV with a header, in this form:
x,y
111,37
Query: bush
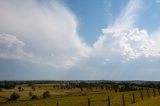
x,y
30,94
46,94
0,89
33,88
19,88
14,96
34,97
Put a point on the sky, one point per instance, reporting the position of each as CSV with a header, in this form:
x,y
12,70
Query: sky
x,y
80,40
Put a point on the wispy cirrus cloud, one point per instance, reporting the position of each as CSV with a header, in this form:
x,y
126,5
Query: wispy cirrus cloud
x,y
127,18
110,40
124,39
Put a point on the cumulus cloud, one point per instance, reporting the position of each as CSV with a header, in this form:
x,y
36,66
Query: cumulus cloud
x,y
124,41
46,28
12,48
45,33
122,50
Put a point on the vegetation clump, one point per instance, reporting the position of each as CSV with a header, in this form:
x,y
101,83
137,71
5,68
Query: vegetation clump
x,y
34,97
14,96
46,94
19,88
30,94
33,88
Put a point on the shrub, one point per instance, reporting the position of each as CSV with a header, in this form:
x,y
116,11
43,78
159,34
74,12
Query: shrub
x,y
34,97
33,88
19,88
46,94
30,94
81,88
0,89
14,96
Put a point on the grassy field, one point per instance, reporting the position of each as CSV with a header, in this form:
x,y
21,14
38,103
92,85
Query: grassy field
x,y
153,101
71,97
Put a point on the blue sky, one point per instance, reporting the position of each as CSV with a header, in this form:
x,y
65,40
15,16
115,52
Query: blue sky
x,y
79,39
90,15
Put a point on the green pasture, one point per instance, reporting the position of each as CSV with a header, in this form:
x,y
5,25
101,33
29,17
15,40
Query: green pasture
x,y
72,97
153,101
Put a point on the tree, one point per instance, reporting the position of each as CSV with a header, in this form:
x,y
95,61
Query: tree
x,y
14,96
7,85
46,94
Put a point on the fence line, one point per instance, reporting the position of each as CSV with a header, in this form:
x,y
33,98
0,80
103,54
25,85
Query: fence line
x,y
108,101
57,104
123,98
141,95
88,102
133,98
148,93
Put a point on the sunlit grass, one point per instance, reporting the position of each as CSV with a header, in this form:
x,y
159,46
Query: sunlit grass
x,y
153,101
72,97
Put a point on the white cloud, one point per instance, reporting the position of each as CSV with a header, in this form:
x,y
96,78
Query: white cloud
x,y
108,44
12,48
122,50
45,27
122,41
46,34
126,19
